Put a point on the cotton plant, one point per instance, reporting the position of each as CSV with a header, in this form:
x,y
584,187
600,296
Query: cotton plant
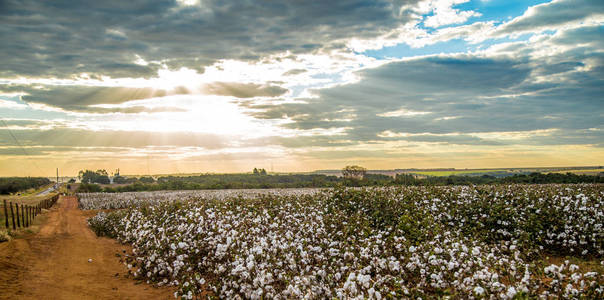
x,y
378,243
88,201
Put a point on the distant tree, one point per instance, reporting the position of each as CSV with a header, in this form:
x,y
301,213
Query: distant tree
x,y
72,180
259,171
148,179
89,188
356,172
122,180
10,185
89,176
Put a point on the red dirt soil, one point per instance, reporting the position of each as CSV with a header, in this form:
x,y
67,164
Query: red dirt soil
x,y
53,264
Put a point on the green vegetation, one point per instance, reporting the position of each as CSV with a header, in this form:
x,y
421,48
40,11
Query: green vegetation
x,y
538,178
148,179
582,171
259,181
89,176
259,171
461,172
10,185
89,188
356,172
123,180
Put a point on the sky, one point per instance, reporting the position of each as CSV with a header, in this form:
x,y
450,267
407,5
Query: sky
x,y
189,86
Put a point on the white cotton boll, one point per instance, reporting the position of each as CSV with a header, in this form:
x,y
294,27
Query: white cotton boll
x,y
511,292
371,292
364,280
478,290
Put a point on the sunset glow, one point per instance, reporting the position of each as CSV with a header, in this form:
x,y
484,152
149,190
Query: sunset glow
x,y
206,86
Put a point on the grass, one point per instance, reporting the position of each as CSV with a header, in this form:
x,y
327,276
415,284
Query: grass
x,y
28,197
34,227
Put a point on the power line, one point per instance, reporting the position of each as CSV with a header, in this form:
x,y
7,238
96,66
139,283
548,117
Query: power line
x,y
20,146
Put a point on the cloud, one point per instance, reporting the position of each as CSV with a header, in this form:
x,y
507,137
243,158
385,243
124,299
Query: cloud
x,y
58,136
549,83
403,113
64,39
11,104
553,15
243,90
445,14
83,98
294,72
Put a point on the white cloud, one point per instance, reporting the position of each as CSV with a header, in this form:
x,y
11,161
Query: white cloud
x,y
188,2
403,113
11,104
445,14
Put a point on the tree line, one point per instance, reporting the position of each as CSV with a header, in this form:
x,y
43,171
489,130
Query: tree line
x,y
352,177
11,185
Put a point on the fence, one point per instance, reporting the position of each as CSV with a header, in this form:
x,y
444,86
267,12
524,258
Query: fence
x,y
21,216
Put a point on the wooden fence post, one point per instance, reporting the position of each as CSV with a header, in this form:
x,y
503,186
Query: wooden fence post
x,y
12,213
22,215
5,215
17,210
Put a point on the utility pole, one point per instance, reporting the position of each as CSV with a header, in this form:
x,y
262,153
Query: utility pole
x,y
57,175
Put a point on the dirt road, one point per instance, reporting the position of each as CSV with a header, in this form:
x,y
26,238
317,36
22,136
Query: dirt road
x,y
53,264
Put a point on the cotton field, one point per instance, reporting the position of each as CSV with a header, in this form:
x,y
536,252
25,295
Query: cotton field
x,y
131,199
485,242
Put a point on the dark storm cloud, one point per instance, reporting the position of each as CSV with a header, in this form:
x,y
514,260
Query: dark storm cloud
x,y
553,14
454,96
66,38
